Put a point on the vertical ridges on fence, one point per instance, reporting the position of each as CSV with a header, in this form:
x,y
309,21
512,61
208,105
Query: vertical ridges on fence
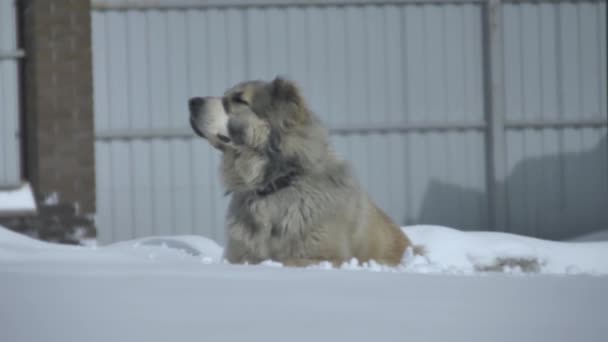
x,y
10,167
461,113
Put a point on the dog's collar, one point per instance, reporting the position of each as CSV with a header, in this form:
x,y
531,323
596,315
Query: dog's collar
x,y
277,184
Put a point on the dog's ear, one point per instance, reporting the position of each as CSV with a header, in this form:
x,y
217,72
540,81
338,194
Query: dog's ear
x,y
286,97
285,90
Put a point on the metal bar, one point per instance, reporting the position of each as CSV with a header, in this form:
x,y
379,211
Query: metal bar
x,y
547,1
16,54
187,133
407,127
495,115
188,4
145,134
561,123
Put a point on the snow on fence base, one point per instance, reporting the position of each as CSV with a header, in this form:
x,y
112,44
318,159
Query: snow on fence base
x,y
20,200
176,289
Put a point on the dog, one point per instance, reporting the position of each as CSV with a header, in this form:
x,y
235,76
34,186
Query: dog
x,y
293,200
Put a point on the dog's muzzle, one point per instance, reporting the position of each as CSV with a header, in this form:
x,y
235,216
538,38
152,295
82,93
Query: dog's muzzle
x,y
195,128
199,106
195,104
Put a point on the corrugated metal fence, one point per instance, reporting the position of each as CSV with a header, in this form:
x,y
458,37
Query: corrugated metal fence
x,y
10,172
473,114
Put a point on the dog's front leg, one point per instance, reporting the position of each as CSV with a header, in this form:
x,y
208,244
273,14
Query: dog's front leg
x,y
244,246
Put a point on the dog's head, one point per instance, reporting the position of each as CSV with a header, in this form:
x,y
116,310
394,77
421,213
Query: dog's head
x,y
252,115
265,130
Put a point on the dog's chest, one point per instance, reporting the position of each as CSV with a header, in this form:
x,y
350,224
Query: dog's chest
x,y
280,226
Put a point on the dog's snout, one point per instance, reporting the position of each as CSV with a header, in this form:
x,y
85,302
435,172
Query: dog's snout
x,y
195,103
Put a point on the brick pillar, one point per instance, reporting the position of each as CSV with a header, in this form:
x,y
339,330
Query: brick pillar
x,y
58,102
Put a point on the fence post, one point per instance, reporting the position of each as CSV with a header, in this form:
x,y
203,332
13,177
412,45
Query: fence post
x,y
495,115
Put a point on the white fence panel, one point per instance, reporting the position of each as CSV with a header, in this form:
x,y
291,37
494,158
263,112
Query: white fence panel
x,y
555,72
10,167
400,83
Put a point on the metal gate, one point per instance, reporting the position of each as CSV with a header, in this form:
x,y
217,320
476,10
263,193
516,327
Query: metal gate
x,y
10,172
473,114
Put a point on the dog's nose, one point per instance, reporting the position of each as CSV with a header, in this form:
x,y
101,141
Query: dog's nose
x,y
195,103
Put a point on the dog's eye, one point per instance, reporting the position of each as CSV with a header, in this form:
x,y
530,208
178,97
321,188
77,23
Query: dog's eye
x,y
238,98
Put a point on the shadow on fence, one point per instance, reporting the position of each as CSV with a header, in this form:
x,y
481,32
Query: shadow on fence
x,y
551,197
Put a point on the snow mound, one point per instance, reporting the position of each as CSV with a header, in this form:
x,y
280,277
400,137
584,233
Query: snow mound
x,y
17,200
17,248
191,245
446,251
600,235
453,251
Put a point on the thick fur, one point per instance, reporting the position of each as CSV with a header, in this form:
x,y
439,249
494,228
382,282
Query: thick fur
x,y
266,131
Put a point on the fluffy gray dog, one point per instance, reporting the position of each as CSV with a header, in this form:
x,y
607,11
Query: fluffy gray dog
x,y
293,200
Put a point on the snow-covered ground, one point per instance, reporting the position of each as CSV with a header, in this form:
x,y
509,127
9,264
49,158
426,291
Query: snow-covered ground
x,y
446,250
18,200
178,289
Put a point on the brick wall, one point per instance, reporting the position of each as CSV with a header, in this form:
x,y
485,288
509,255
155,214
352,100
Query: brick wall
x,y
58,100
58,130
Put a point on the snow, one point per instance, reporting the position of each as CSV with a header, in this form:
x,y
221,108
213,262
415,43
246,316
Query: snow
x,y
467,286
446,250
450,250
18,200
17,248
600,235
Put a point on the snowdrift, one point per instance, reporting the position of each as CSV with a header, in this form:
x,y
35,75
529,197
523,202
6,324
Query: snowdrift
x,y
447,250
178,289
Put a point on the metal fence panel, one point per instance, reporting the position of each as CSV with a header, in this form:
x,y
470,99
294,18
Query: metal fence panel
x,y
422,177
558,183
399,83
555,70
10,172
555,58
359,66
158,187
